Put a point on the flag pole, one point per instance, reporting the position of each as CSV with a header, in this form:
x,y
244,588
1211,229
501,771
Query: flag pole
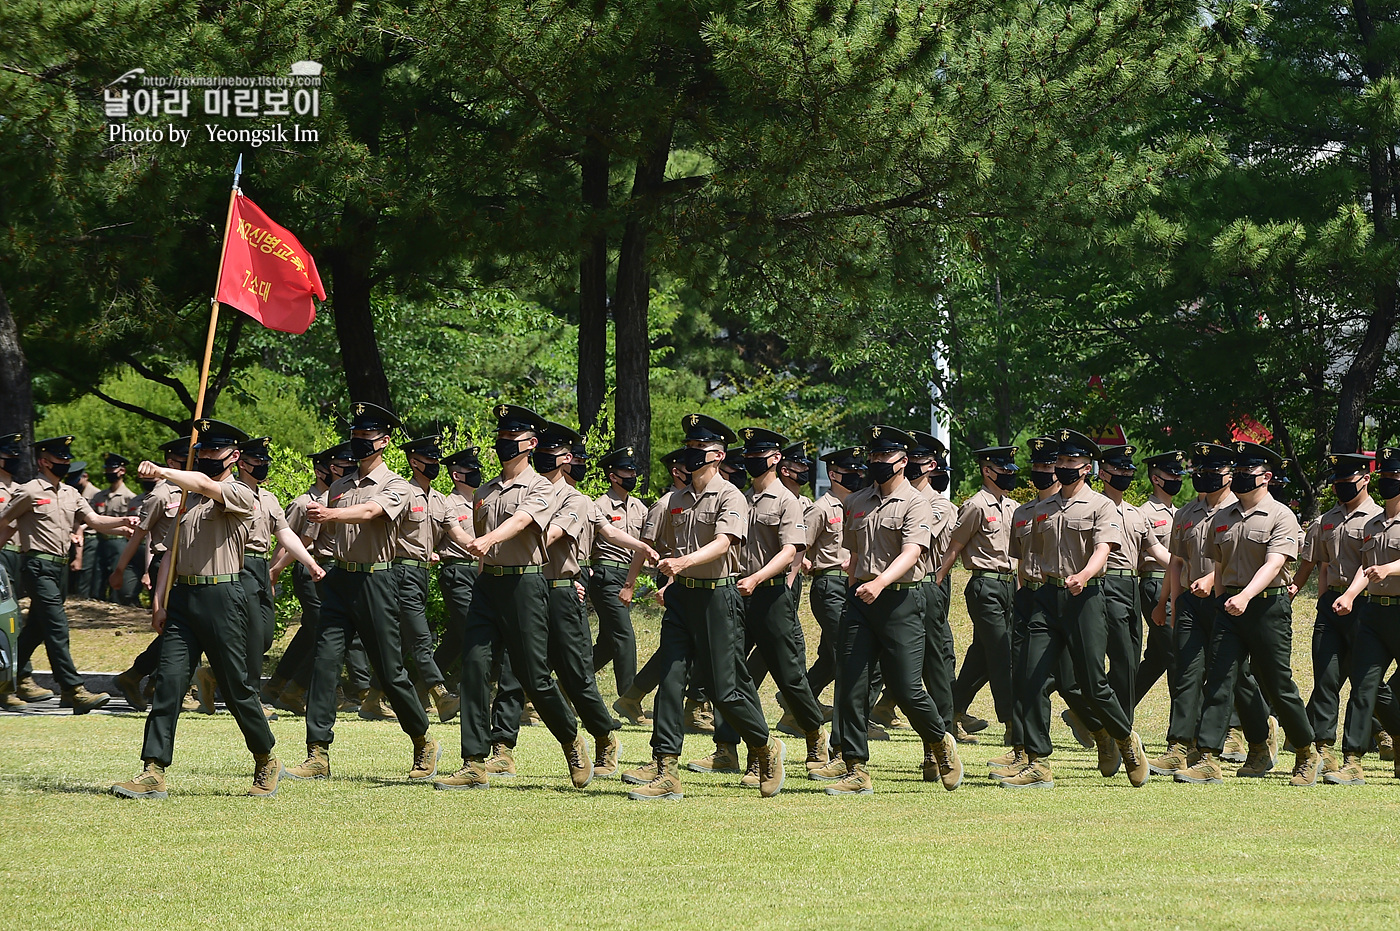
x,y
203,377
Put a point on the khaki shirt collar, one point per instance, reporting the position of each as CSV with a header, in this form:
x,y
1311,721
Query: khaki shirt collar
x,y
378,476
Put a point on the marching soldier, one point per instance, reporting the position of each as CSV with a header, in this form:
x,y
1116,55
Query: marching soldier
x,y
732,468
83,580
1374,594
113,501
206,610
1074,532
1195,604
777,535
926,471
982,538
457,569
618,507
511,603
1164,471
357,597
1335,542
888,529
11,449
828,556
704,531
1251,541
44,513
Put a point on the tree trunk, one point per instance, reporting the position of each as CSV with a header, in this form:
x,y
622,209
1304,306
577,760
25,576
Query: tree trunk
x,y
630,306
350,291
593,288
16,390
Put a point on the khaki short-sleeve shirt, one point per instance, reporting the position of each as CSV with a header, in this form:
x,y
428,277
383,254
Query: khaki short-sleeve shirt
x,y
46,515
695,519
878,528
370,541
1068,530
268,518
1336,539
1159,522
418,529
1241,541
945,518
158,512
113,503
658,516
457,509
628,516
1137,537
984,530
499,500
1022,548
776,520
213,535
572,512
1190,534
826,548
1380,545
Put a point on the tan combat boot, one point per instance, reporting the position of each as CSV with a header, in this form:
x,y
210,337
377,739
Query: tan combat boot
x,y
205,686
1034,775
971,724
293,698
605,752
854,781
949,764
1329,759
874,731
317,764
579,762
30,691
270,689
787,724
343,702
770,768
1205,771
426,753
818,753
1305,766
501,762
696,720
529,717
725,759
424,698
886,713
1134,758
1078,728
631,711
446,703
10,701
82,701
834,769
1235,751
1006,759
1272,740
1257,764
472,775
1173,761
267,770
1350,773
375,707
665,785
751,777
269,712
641,775
1006,770
1110,758
1385,745
189,703
149,783
129,684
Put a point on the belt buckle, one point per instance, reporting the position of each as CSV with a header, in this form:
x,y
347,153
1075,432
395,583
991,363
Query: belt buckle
x,y
688,582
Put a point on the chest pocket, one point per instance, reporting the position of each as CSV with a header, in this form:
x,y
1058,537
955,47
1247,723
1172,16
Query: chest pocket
x,y
1079,525
1257,536
766,518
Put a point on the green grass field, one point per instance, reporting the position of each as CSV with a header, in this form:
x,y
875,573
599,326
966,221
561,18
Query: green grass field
x,y
367,850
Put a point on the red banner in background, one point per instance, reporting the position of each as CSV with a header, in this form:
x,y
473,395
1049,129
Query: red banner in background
x,y
1250,430
267,273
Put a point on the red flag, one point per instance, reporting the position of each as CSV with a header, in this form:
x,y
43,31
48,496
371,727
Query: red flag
x,y
268,274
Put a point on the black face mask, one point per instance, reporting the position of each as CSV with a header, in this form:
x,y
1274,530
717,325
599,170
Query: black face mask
x,y
211,467
259,472
340,471
881,472
915,470
545,462
1208,482
1172,486
506,450
803,477
10,465
851,481
1120,482
431,470
1242,483
1388,487
1066,477
578,470
1006,481
738,478
148,485
111,476
361,448
470,477
756,465
695,459
1043,480
684,476
938,481
325,476
1346,491
627,484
